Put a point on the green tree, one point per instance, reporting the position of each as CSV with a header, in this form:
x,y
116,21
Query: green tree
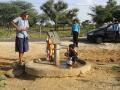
x,y
22,5
10,10
99,15
42,19
58,11
103,14
26,6
116,13
110,8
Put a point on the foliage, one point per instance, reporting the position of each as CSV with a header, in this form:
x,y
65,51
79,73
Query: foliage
x,y
58,12
22,5
86,28
116,13
102,14
85,23
42,19
10,10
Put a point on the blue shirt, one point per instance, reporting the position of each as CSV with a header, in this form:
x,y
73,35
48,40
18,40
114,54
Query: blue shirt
x,y
115,26
76,27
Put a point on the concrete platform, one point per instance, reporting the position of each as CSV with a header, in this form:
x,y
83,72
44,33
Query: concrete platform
x,y
48,69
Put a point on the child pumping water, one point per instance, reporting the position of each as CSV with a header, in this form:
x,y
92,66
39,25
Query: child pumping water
x,y
50,49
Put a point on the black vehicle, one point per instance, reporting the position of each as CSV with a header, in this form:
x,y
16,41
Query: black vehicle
x,y
103,34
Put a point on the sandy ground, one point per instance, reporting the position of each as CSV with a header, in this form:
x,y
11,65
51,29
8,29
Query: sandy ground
x,y
105,74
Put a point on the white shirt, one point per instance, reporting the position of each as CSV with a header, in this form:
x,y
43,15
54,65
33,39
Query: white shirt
x,y
118,27
22,24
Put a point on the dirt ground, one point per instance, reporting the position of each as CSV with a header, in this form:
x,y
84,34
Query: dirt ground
x,y
105,73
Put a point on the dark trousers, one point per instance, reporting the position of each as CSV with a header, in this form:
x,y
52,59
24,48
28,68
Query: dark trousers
x,y
117,36
75,38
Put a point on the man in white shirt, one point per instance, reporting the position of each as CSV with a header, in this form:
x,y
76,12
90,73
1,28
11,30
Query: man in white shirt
x,y
119,28
21,44
116,28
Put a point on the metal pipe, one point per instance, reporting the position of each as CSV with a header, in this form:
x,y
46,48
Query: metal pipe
x,y
57,54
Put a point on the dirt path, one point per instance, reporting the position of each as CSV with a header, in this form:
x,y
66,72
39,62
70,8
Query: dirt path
x,y
105,74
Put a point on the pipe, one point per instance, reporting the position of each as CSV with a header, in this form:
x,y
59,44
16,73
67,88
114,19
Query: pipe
x,y
57,54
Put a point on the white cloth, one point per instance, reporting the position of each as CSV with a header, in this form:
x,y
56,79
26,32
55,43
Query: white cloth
x,y
22,24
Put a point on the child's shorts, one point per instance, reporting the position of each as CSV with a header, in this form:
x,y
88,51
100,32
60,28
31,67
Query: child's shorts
x,y
74,58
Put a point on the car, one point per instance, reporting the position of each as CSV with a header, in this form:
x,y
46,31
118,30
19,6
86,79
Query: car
x,y
103,34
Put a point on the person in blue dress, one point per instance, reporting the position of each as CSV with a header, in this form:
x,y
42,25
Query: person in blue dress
x,y
75,31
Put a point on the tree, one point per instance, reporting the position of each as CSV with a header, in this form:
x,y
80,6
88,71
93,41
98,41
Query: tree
x,y
85,23
58,11
42,18
99,15
10,10
22,5
26,6
116,13
111,3
110,8
103,14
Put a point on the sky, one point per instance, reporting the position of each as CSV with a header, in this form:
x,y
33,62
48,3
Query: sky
x,y
83,6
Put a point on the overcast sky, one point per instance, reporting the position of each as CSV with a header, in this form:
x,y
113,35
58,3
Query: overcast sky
x,y
82,5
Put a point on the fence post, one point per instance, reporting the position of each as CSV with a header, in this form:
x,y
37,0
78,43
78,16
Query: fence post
x,y
40,31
